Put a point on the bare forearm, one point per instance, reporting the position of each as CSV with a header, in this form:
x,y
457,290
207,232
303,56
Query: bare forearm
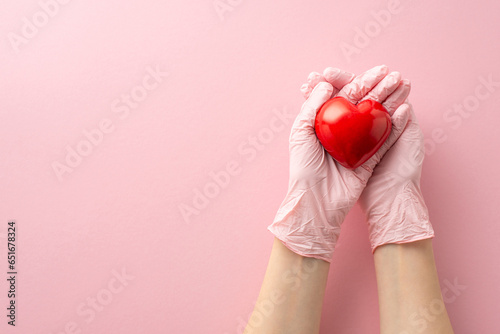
x,y
409,293
291,297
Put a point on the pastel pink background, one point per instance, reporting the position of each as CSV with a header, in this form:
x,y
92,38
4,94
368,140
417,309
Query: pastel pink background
x,y
120,207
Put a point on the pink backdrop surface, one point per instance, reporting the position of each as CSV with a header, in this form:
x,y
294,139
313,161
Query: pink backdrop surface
x,y
115,115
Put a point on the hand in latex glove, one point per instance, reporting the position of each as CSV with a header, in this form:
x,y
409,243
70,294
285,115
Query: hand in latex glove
x,y
392,199
320,191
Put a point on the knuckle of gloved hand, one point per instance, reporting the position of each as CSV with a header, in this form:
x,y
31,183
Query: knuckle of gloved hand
x,y
323,87
390,105
305,89
331,73
351,90
313,76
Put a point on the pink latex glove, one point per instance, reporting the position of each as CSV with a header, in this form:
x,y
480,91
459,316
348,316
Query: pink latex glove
x,y
392,200
320,191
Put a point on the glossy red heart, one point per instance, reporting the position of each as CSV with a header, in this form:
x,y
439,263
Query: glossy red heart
x,y
352,133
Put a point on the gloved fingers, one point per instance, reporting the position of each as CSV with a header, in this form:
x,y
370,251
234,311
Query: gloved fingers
x,y
412,113
413,134
304,123
384,88
363,83
313,79
400,119
306,90
336,77
398,97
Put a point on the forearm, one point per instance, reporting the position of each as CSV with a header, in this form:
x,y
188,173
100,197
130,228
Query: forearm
x,y
291,297
409,293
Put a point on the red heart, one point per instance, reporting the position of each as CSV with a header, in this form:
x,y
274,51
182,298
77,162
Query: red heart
x,y
352,133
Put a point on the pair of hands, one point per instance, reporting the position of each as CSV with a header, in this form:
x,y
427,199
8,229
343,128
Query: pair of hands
x,y
321,191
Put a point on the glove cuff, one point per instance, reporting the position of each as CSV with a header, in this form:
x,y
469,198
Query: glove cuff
x,y
305,227
406,220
